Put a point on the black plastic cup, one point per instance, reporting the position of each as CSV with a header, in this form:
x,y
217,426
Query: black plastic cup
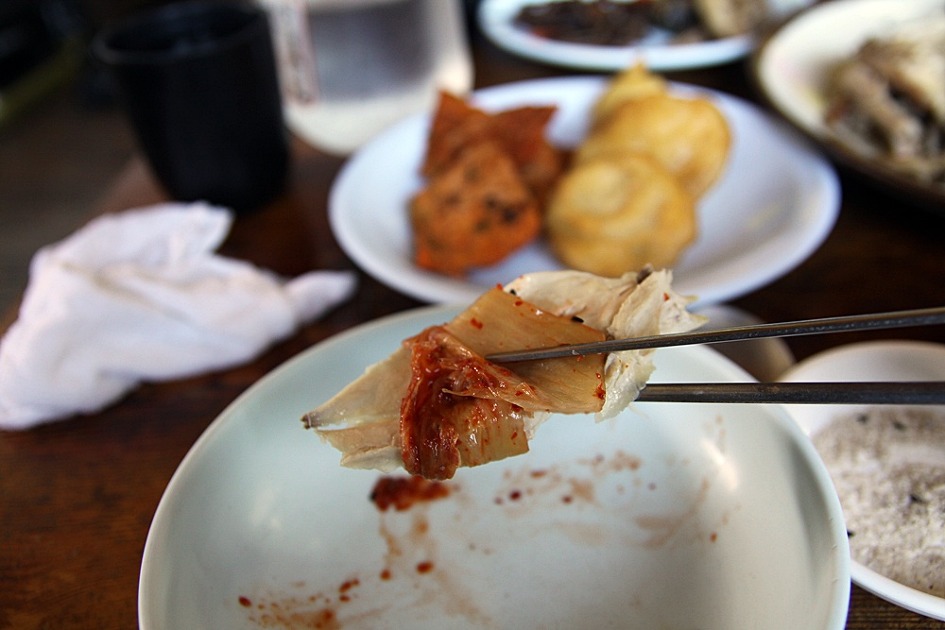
x,y
199,84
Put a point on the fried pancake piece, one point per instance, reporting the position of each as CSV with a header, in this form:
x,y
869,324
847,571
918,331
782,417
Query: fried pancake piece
x,y
615,213
521,131
474,213
455,126
689,136
631,84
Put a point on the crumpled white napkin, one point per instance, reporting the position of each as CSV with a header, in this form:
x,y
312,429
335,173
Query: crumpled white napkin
x,y
141,296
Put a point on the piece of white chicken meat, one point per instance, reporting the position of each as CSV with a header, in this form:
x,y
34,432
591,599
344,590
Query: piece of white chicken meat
x,y
436,403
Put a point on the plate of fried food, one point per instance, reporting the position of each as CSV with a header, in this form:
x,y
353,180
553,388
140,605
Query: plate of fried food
x,y
664,515
609,35
866,80
589,173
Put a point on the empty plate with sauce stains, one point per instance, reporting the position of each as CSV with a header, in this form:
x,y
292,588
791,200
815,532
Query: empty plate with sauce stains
x,y
670,515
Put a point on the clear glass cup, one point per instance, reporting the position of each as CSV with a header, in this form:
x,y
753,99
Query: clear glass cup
x,y
350,68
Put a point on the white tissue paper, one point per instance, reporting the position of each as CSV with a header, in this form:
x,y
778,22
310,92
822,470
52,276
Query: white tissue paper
x,y
141,296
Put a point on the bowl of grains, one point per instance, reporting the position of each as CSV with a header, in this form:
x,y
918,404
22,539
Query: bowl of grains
x,y
887,463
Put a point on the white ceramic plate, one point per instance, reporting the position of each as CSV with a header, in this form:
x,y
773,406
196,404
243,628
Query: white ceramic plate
x,y
775,203
872,361
671,516
496,19
792,68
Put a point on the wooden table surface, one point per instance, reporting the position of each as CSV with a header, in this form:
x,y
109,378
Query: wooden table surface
x,y
77,497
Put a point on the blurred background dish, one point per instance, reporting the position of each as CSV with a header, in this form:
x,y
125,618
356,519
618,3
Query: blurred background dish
x,y
674,38
878,361
760,220
792,67
496,19
670,515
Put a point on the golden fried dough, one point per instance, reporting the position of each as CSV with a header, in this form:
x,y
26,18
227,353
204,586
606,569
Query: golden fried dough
x,y
633,83
474,213
614,214
689,136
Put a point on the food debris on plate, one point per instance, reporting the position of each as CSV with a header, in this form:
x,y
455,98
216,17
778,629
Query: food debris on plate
x,y
599,499
402,493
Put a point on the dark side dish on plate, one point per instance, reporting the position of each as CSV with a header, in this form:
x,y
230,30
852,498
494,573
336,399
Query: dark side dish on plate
x,y
888,100
615,23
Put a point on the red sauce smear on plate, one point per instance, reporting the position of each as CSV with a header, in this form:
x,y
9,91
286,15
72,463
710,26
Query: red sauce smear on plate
x,y
402,493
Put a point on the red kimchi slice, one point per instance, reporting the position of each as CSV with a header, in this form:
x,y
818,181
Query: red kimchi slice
x,y
461,410
436,404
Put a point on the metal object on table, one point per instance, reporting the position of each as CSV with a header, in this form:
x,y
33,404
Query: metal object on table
x,y
877,321
900,393
863,393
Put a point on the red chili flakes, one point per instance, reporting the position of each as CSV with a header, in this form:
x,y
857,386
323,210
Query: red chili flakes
x,y
475,323
424,567
713,537
245,602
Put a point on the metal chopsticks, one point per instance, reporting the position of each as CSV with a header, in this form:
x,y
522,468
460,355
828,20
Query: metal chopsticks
x,y
791,393
876,393
878,321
